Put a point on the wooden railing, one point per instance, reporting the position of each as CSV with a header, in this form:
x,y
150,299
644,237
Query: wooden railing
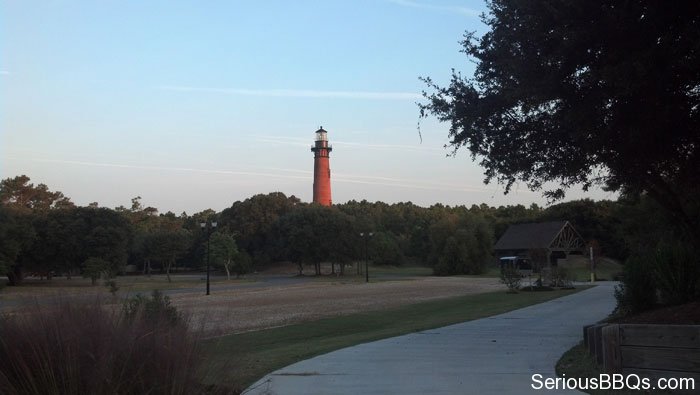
x,y
653,351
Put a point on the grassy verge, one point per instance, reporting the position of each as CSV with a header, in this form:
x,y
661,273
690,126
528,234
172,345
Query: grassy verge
x,y
238,360
580,270
578,363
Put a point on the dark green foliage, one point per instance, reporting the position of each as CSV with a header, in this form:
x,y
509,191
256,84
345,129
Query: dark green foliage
x,y
164,246
385,250
273,227
18,193
253,220
155,310
94,268
637,292
66,238
451,259
461,243
224,253
597,222
16,234
677,272
313,234
664,268
242,264
583,92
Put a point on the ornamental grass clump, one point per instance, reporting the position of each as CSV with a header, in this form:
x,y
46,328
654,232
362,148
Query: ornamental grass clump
x,y
75,347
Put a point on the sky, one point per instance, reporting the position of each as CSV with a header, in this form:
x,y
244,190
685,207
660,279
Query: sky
x,y
197,104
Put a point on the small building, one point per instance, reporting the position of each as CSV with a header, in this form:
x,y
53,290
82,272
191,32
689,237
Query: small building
x,y
542,241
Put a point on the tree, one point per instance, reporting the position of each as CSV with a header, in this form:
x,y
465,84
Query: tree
x,y
597,222
94,268
166,246
460,243
224,253
583,92
313,234
65,239
110,244
384,249
451,259
252,221
16,235
19,193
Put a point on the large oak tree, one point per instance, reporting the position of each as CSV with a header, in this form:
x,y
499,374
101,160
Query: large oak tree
x,y
570,92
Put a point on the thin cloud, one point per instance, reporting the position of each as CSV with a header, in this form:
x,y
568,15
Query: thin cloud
x,y
408,183
4,72
167,168
296,141
271,172
280,140
297,93
400,147
453,9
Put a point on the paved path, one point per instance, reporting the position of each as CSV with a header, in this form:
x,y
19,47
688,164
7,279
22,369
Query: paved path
x,y
496,355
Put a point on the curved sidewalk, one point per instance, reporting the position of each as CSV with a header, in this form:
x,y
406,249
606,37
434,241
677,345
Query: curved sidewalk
x,y
495,355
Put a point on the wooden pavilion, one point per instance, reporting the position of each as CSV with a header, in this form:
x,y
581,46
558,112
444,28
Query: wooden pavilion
x,y
557,239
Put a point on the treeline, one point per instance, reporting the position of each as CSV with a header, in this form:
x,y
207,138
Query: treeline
x,y
44,233
452,240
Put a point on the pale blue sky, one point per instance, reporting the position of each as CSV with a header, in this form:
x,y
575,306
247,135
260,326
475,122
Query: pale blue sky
x,y
196,104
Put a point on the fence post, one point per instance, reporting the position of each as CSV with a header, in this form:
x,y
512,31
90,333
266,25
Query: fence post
x,y
612,361
590,339
585,336
598,330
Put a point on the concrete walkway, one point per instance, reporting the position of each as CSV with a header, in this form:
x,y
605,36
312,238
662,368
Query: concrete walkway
x,y
496,355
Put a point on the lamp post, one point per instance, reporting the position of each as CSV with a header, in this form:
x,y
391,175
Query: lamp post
x,y
366,236
209,228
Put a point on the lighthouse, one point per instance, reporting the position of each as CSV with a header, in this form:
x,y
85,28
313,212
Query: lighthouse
x,y
322,169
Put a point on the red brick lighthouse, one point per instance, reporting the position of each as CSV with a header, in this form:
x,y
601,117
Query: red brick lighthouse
x,y
322,169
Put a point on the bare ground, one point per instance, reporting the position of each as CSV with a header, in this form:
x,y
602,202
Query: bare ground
x,y
248,309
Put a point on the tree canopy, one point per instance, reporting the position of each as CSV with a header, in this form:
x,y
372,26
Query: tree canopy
x,y
266,229
583,92
20,194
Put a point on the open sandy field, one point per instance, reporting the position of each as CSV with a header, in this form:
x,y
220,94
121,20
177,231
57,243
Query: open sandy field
x,y
254,308
265,301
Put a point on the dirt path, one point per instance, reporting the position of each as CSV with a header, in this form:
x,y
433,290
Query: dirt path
x,y
246,309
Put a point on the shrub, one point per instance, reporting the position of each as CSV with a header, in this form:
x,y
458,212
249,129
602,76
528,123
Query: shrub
x,y
81,348
510,276
677,273
154,310
94,268
243,264
559,277
668,273
637,291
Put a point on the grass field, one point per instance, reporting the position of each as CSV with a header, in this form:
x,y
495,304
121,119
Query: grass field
x,y
238,360
580,270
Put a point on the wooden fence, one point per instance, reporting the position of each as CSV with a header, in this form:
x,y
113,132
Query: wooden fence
x,y
653,351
